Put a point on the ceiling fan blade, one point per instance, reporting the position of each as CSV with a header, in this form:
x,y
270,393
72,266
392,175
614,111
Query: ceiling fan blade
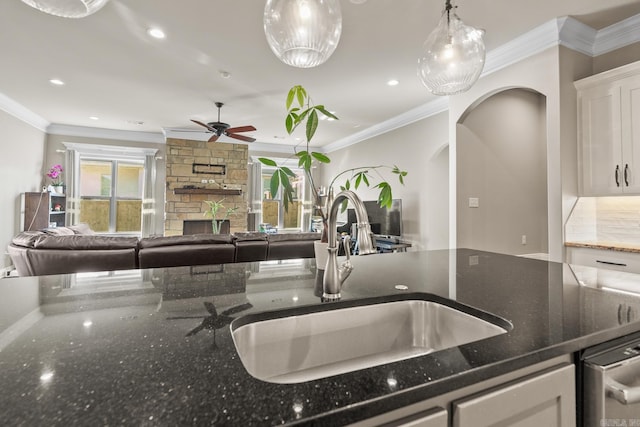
x,y
241,129
240,137
205,125
214,138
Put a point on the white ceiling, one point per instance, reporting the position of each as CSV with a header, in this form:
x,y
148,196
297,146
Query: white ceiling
x,y
113,70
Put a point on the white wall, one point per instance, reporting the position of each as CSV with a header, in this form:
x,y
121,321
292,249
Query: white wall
x,y
502,162
421,149
21,170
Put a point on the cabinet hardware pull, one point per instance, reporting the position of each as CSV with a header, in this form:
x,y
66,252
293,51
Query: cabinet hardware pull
x,y
611,263
617,175
626,174
622,393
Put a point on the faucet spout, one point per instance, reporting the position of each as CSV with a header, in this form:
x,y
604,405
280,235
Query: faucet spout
x,y
335,275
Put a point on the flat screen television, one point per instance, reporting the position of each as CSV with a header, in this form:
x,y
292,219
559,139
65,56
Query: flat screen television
x,y
385,222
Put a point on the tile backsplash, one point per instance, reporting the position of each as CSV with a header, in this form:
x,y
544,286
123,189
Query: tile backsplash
x,y
605,219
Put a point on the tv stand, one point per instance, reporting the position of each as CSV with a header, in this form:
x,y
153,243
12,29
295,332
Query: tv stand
x,y
393,244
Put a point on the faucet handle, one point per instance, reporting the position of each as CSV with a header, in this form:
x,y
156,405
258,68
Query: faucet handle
x,y
346,242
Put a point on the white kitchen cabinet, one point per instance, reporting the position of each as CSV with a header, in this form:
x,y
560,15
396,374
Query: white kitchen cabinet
x,y
546,399
609,132
539,395
605,259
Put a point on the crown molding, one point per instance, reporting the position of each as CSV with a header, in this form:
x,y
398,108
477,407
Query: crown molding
x,y
20,112
90,132
618,35
423,111
575,35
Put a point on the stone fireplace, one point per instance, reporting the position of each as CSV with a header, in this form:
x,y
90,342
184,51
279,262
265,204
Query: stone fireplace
x,y
198,171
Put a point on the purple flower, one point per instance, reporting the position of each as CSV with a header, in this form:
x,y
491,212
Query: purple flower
x,y
55,173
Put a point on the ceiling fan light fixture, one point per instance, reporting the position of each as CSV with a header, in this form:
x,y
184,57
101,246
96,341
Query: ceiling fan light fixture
x,y
453,55
303,33
67,8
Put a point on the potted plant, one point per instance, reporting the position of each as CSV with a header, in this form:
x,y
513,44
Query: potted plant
x,y
213,208
301,110
55,173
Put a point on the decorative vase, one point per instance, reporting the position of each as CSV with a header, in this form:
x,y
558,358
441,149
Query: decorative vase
x,y
322,254
59,189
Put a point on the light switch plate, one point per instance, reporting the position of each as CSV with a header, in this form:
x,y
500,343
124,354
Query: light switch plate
x,y
474,202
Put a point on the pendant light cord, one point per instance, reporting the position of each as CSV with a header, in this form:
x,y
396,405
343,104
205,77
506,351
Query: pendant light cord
x,y
448,7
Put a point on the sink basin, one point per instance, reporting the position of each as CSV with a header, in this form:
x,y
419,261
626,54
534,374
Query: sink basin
x,y
308,343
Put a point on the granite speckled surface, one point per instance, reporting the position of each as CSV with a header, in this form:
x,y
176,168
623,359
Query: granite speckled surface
x,y
143,348
611,246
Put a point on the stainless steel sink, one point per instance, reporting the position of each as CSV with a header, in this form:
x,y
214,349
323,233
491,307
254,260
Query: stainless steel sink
x,y
298,345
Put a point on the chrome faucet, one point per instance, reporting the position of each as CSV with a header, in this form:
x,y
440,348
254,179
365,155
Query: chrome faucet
x,y
334,276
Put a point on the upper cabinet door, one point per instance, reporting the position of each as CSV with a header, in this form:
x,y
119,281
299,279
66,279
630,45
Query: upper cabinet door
x,y
609,132
630,133
602,171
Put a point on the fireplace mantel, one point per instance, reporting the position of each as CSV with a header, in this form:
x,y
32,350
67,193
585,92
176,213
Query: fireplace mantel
x,y
219,191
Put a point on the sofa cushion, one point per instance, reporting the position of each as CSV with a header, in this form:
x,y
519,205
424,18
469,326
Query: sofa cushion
x,y
27,239
192,239
291,245
58,231
248,236
293,236
81,228
64,261
184,254
78,241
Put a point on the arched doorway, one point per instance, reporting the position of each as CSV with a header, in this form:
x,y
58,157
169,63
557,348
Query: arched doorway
x,y
502,174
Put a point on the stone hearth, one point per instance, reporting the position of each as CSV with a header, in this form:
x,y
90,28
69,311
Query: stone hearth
x,y
186,192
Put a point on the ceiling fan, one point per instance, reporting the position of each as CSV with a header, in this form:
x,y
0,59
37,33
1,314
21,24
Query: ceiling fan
x,y
219,128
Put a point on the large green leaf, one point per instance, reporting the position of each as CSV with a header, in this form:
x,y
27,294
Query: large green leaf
x,y
267,162
275,183
326,112
321,157
385,197
304,160
312,124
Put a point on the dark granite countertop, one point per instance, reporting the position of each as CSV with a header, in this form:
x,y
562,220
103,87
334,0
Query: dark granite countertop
x,y
609,246
127,348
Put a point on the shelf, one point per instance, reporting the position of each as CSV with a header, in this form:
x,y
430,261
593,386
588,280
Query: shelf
x,y
219,191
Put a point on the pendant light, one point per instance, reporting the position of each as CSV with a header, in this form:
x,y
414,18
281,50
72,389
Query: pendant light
x,y
67,8
303,33
453,55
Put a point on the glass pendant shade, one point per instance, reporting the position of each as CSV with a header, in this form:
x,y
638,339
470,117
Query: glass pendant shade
x,y
452,56
67,8
303,33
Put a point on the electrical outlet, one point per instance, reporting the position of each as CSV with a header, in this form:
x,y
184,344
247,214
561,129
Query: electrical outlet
x,y
474,202
524,239
474,260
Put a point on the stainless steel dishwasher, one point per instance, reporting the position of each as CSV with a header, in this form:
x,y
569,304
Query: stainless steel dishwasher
x,y
611,385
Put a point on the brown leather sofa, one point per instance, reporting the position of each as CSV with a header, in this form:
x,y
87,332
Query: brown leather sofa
x,y
77,249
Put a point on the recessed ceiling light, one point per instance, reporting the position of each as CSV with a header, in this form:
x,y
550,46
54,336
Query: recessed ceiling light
x,y
358,1
135,122
56,82
156,33
393,82
225,74
94,118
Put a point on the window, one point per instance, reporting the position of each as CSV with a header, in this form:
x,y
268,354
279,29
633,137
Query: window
x,y
273,212
111,188
111,195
